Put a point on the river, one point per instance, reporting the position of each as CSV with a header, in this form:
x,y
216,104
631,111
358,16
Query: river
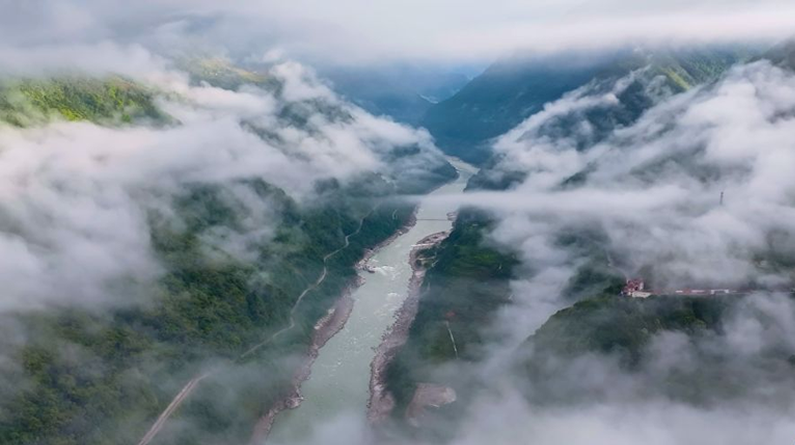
x,y
336,394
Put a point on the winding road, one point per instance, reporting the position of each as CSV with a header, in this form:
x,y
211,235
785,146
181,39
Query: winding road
x,y
194,382
312,287
175,403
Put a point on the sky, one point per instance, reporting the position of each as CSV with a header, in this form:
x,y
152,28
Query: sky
x,y
360,31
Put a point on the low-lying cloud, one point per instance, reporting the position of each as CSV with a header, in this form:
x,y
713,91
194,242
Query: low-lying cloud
x,y
650,192
76,196
367,32
655,187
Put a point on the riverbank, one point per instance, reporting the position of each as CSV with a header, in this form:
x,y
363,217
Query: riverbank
x,y
361,265
326,328
381,402
338,390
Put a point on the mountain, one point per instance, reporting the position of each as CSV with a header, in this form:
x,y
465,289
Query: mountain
x,y
515,88
403,92
26,102
782,54
466,284
626,127
626,338
625,326
211,197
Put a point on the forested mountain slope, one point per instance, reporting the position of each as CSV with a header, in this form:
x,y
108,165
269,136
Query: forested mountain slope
x,y
403,91
112,100
223,204
619,178
630,342
515,88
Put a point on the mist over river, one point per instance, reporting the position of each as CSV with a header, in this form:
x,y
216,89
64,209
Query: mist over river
x,y
337,391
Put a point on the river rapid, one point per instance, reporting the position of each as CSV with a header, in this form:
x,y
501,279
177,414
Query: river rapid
x,y
337,392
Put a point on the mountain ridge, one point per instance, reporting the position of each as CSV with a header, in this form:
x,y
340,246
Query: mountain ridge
x,y
513,89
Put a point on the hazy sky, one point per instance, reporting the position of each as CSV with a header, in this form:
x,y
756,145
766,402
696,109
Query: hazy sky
x,y
367,31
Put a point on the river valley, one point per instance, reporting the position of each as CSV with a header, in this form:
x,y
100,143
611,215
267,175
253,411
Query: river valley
x,y
337,393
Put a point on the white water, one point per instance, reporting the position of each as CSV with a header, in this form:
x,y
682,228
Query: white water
x,y
337,392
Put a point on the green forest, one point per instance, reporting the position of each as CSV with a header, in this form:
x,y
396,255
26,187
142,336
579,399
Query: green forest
x,y
467,283
102,377
112,100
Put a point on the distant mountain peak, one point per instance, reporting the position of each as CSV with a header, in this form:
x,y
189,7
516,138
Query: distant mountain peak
x,y
513,89
783,54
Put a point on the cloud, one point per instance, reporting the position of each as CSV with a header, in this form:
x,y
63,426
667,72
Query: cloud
x,y
604,403
654,187
651,193
367,32
510,420
76,197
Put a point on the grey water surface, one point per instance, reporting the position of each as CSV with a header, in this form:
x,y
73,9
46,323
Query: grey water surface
x,y
338,389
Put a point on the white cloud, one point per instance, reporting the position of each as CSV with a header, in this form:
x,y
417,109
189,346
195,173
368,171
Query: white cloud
x,y
74,196
735,136
654,187
357,31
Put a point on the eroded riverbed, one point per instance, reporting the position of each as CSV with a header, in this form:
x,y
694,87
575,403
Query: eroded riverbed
x,y
337,392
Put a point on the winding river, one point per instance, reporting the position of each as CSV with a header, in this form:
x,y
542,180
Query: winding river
x,y
336,394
